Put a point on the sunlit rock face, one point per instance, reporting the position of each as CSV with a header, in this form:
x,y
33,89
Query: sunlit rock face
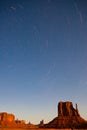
x,y
8,120
67,109
7,117
68,117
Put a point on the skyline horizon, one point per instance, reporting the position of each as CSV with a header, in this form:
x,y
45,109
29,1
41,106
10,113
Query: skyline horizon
x,y
75,106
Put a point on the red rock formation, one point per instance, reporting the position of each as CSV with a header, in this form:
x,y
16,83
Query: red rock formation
x,y
68,117
20,123
66,109
8,120
41,123
7,117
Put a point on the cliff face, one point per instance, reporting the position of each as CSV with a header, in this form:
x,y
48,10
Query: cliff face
x,y
67,109
7,117
68,117
8,120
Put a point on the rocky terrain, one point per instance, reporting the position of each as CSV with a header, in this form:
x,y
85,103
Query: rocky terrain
x,y
8,120
68,117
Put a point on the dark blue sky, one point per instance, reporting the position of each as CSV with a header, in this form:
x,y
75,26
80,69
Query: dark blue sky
x,y
43,56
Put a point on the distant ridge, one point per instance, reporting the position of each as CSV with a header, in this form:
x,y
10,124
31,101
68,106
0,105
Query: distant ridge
x,y
8,120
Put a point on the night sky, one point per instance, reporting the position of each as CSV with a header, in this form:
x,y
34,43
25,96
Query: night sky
x,y
43,57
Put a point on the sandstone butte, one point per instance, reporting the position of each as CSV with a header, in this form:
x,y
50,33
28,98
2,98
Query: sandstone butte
x,y
68,117
8,120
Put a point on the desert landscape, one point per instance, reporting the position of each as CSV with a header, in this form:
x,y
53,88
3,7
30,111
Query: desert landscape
x,y
43,64
68,118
